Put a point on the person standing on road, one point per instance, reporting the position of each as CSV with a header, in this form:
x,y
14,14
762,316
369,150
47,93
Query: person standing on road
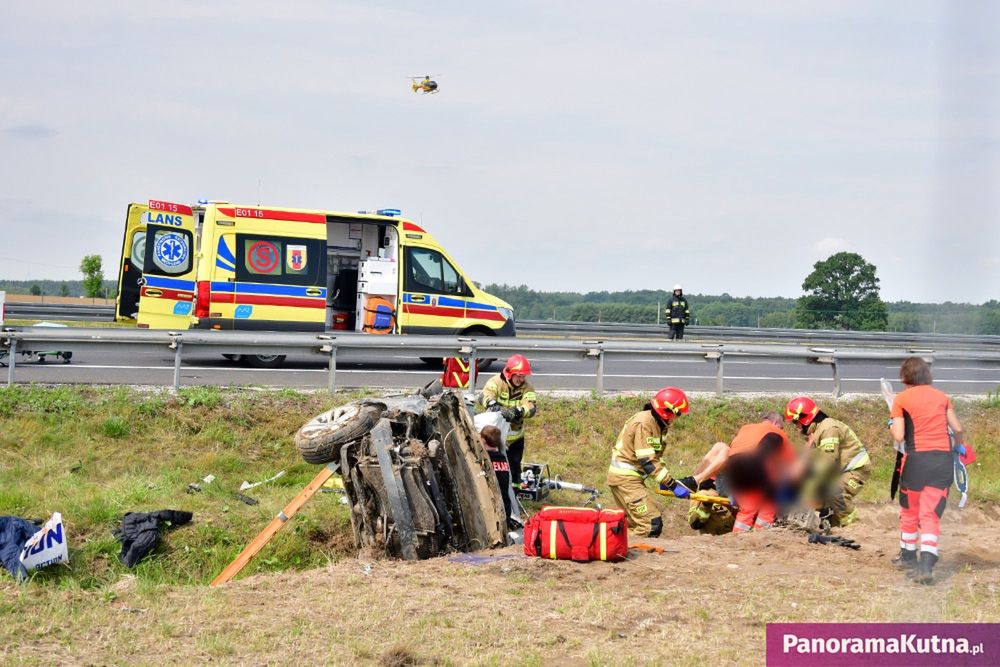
x,y
636,456
924,419
839,464
678,313
510,394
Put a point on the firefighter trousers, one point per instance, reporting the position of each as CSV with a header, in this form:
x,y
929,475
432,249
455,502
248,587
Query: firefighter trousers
x,y
843,510
644,519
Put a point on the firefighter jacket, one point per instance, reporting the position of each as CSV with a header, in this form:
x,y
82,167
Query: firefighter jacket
x,y
637,452
678,311
837,446
498,390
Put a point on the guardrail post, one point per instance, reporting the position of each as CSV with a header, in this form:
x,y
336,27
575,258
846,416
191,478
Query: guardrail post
x,y
331,348
598,352
178,345
13,362
836,376
332,379
717,354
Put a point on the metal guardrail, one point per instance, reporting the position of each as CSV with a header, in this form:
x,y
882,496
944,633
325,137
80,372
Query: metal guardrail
x,y
563,329
347,347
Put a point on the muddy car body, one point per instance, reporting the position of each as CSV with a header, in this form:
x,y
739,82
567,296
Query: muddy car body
x,y
418,480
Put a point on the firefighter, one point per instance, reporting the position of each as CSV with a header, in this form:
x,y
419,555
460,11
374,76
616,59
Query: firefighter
x,y
636,456
921,418
510,394
839,461
678,313
706,516
760,467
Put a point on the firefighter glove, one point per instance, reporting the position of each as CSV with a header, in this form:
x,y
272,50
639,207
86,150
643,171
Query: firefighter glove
x,y
689,483
680,491
493,406
510,414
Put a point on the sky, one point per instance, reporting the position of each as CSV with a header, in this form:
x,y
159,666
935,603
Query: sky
x,y
575,146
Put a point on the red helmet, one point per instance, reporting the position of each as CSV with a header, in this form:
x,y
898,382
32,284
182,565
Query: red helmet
x,y
669,403
801,410
516,365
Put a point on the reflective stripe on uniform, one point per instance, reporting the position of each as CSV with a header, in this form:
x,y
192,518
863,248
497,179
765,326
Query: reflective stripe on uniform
x,y
929,543
860,459
829,441
740,527
645,453
660,476
624,469
761,524
908,541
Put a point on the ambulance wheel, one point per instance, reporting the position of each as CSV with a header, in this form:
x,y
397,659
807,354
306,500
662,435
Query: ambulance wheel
x,y
264,360
233,357
320,440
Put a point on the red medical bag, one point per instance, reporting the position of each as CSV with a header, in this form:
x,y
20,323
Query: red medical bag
x,y
577,533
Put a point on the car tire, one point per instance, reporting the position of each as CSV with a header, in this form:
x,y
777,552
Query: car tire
x,y
264,360
320,440
233,357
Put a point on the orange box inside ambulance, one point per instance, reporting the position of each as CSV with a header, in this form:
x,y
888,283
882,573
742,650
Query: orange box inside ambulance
x,y
227,267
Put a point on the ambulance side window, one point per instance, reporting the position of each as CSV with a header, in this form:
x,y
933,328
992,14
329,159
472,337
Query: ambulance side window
x,y
167,251
282,260
428,271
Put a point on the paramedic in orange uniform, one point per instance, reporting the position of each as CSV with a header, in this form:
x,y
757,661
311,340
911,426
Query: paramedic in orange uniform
x,y
761,461
920,418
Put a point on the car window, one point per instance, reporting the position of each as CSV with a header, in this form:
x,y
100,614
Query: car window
x,y
428,271
283,260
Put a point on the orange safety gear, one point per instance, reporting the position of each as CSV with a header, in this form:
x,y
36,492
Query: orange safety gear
x,y
516,365
670,402
801,410
924,409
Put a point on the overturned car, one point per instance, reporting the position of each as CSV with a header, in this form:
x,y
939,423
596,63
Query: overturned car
x,y
419,482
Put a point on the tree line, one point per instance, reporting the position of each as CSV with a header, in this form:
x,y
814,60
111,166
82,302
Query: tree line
x,y
842,292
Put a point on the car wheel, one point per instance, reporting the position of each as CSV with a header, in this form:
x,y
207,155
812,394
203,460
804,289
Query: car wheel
x,y
320,440
234,357
264,360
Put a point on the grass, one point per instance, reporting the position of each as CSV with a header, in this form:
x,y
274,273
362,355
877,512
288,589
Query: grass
x,y
95,453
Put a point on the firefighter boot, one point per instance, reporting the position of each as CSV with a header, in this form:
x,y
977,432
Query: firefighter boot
x,y
925,570
906,560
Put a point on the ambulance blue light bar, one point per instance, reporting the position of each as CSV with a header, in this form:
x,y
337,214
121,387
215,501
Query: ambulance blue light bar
x,y
389,211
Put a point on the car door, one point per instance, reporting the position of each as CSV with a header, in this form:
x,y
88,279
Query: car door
x,y
167,294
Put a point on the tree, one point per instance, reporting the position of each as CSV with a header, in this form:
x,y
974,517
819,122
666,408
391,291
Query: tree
x,y
35,290
93,275
842,293
63,289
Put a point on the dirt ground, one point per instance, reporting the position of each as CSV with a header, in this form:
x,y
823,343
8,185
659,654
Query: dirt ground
x,y
705,601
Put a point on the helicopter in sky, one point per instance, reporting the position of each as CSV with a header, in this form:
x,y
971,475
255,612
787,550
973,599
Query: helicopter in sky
x,y
424,86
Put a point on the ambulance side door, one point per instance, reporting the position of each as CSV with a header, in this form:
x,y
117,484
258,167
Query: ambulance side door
x,y
434,293
167,295
132,259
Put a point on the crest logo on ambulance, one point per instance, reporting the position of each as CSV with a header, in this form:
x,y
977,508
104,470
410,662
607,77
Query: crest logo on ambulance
x,y
296,258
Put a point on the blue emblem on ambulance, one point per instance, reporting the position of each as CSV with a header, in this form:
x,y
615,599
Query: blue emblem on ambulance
x,y
170,250
243,312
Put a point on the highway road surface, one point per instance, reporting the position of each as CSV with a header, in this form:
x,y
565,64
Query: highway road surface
x,y
155,367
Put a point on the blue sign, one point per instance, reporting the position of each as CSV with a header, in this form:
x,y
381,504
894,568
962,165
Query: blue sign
x,y
182,308
243,312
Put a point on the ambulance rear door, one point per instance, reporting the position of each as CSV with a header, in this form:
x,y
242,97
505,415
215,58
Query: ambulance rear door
x,y
167,294
130,267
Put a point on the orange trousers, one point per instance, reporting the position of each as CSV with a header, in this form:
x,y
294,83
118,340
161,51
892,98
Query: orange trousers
x,y
756,512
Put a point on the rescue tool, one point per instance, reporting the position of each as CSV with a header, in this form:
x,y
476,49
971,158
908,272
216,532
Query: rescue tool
x,y
699,497
536,484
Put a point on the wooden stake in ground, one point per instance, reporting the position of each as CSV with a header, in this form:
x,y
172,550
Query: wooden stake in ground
x,y
277,523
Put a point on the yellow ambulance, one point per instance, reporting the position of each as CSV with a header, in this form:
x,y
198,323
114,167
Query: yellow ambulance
x,y
230,267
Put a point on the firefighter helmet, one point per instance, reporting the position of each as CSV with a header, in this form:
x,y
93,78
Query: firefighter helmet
x,y
678,288
801,410
669,402
516,365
